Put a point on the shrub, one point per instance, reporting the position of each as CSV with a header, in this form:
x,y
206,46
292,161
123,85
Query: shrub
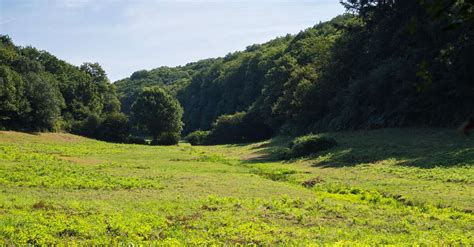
x,y
168,138
198,137
87,127
114,128
240,127
136,140
310,144
228,129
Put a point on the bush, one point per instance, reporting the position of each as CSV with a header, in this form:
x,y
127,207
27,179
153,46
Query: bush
x,y
136,140
228,129
198,137
88,127
240,127
309,144
168,138
114,128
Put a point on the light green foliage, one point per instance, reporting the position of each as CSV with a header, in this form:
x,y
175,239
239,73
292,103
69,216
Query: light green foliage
x,y
64,189
50,171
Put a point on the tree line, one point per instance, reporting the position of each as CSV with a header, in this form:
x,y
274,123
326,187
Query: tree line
x,y
39,92
382,64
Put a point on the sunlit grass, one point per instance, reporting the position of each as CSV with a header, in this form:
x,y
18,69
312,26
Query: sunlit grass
x,y
376,187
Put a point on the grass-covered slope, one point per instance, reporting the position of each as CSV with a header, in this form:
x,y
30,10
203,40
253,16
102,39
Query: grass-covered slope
x,y
387,186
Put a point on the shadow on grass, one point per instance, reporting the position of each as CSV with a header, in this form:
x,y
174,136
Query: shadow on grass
x,y
268,151
442,159
423,148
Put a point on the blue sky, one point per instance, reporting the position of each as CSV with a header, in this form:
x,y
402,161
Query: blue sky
x,y
126,36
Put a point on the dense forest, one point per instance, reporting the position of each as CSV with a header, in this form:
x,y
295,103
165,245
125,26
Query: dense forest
x,y
39,92
382,64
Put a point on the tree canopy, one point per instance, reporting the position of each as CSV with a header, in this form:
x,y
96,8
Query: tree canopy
x,y
39,92
160,114
382,64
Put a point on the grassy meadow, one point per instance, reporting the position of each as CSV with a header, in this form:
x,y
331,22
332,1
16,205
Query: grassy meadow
x,y
390,186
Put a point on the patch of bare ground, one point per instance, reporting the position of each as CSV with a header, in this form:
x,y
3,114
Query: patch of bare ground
x,y
22,137
62,138
82,160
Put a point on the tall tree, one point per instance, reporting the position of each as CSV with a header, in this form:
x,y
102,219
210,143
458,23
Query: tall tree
x,y
45,101
160,113
13,104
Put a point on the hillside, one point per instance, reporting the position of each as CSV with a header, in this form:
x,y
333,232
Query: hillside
x,y
392,186
382,64
357,131
393,64
173,78
40,92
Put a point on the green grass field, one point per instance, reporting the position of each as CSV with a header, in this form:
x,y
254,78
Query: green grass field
x,y
411,186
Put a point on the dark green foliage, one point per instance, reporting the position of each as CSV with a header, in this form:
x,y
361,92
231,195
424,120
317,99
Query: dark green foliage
x,y
198,137
309,144
168,138
158,112
238,128
384,64
142,74
136,140
232,84
39,92
45,104
13,102
88,127
96,73
414,62
115,128
228,129
171,78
